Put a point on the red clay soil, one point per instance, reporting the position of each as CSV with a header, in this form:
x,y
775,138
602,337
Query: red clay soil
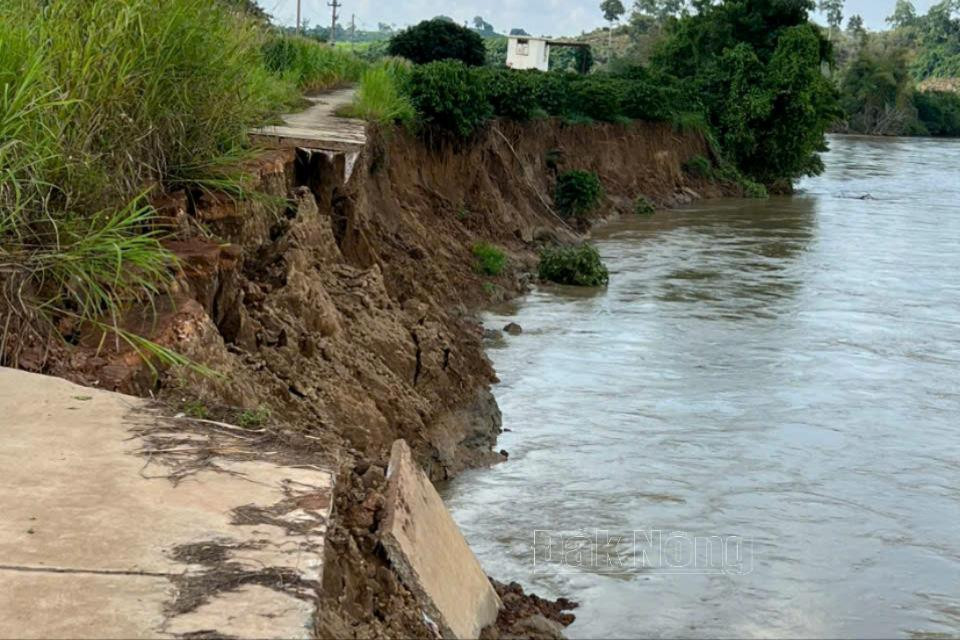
x,y
347,309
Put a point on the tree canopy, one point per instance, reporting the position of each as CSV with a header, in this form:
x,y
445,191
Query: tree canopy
x,y
438,39
754,67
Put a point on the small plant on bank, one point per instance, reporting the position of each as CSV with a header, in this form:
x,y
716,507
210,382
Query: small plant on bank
x,y
699,167
578,192
753,189
252,418
642,206
490,259
576,265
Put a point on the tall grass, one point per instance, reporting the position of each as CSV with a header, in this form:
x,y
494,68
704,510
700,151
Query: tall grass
x,y
311,66
101,104
380,97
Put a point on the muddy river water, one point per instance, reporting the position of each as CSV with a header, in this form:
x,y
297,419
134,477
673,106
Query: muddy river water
x,y
755,430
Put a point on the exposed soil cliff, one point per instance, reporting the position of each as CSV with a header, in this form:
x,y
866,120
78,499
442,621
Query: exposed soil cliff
x,y
344,303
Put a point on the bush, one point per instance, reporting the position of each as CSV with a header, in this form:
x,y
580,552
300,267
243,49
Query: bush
x,y
490,259
511,93
578,192
598,97
699,167
438,39
579,266
380,95
449,97
643,207
552,91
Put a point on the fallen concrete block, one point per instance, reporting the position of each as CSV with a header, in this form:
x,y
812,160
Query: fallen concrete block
x,y
431,555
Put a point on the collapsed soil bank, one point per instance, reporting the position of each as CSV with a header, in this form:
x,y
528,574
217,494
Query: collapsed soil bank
x,y
343,300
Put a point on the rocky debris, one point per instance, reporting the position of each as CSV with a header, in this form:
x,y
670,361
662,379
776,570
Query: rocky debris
x,y
492,334
529,616
513,329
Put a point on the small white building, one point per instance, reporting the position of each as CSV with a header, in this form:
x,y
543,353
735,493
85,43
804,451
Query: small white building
x,y
525,52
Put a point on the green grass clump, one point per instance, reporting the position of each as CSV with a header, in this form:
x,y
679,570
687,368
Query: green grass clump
x,y
579,266
102,104
577,193
251,418
310,65
699,167
380,97
643,207
490,259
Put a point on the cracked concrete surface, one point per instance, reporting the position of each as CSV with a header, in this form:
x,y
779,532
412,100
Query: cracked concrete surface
x,y
97,540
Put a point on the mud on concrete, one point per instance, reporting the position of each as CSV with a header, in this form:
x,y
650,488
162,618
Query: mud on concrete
x,y
344,299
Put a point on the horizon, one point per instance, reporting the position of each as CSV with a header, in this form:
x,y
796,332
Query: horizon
x,y
558,18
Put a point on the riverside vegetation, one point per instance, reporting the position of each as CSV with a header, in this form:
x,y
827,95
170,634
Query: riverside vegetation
x,y
103,106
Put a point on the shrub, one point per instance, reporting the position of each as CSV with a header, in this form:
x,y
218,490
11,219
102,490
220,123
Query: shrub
x,y
380,96
642,206
449,97
753,189
552,92
490,259
438,39
598,97
511,93
578,192
579,266
698,166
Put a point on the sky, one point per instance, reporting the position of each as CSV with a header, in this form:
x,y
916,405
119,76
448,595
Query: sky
x,y
543,17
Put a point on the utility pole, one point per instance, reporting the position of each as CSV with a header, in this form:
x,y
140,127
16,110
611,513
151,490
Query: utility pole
x,y
353,26
298,16
333,22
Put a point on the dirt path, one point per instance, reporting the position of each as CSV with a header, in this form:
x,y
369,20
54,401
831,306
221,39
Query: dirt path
x,y
317,127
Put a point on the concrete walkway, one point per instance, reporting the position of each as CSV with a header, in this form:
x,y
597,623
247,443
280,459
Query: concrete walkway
x,y
318,127
118,522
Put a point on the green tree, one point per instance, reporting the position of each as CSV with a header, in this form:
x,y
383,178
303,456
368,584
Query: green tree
x,y
833,9
755,68
660,9
904,15
438,39
612,10
855,28
483,26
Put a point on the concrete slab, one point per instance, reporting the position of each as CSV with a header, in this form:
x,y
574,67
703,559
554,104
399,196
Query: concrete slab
x,y
317,127
431,555
124,523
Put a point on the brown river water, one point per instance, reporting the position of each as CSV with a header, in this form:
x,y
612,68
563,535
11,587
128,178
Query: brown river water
x,y
755,430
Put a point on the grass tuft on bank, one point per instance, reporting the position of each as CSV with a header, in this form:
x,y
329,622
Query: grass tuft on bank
x,y
103,104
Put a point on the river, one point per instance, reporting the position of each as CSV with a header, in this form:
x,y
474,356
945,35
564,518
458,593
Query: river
x,y
755,430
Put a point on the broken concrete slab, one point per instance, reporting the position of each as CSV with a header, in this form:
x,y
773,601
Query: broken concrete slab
x,y
317,127
431,555
120,522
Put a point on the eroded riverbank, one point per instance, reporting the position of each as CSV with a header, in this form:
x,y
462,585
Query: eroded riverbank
x,y
783,371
